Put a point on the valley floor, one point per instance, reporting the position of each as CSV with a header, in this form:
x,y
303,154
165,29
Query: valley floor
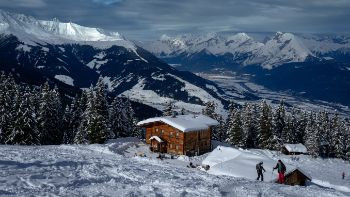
x,y
116,169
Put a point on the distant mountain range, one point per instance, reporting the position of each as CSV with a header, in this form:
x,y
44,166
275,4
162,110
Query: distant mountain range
x,y
316,66
74,55
265,49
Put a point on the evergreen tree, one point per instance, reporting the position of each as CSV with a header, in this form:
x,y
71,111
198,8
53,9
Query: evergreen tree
x,y
169,109
300,127
25,131
235,131
50,116
279,125
98,128
248,127
8,91
86,100
323,130
266,139
338,145
183,111
311,136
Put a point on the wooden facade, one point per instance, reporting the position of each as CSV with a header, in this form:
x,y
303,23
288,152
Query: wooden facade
x,y
296,177
176,141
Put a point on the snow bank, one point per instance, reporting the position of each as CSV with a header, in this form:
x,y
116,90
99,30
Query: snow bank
x,y
240,163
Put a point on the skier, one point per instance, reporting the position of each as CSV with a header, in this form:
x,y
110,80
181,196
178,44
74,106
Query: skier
x,y
281,168
343,175
259,170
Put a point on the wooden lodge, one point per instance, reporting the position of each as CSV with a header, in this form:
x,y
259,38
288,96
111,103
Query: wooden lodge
x,y
294,149
296,177
180,135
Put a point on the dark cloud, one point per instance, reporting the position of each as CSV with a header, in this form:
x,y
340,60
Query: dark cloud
x,y
143,19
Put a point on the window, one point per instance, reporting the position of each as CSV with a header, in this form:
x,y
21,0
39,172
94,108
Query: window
x,y
162,132
157,129
171,145
177,134
171,134
177,147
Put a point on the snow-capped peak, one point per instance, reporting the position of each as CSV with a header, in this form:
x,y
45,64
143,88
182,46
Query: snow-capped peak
x,y
283,48
30,30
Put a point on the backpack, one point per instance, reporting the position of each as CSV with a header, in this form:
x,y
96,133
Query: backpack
x,y
258,167
283,167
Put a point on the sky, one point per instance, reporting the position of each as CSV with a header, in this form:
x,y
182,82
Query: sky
x,y
149,19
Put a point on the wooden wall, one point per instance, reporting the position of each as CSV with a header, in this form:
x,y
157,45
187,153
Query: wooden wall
x,y
178,142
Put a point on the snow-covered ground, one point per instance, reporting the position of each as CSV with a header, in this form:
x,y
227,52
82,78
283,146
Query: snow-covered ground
x,y
125,167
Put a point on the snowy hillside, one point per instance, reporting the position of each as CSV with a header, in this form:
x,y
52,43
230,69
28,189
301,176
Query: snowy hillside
x,y
107,170
250,48
78,56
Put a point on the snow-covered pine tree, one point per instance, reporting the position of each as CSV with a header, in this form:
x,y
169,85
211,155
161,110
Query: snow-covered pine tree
x,y
209,110
235,131
221,129
8,90
311,137
130,121
183,111
301,125
25,131
87,101
68,136
169,109
116,117
249,134
98,128
50,116
279,124
323,130
77,107
337,145
265,137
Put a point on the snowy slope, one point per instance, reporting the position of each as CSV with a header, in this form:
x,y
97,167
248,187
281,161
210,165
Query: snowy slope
x,y
241,163
78,55
111,169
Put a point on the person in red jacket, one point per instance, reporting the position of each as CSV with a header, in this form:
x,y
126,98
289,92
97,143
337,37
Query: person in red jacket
x,y
281,169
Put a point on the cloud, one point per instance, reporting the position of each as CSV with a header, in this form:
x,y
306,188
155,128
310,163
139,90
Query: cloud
x,y
107,2
143,19
23,3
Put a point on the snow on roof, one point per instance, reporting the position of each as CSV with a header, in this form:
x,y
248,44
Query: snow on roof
x,y
184,123
156,138
296,148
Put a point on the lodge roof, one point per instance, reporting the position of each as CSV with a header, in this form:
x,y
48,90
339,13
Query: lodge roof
x,y
295,148
185,123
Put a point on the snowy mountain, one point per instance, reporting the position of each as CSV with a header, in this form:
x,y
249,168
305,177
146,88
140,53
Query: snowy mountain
x,y
243,49
77,56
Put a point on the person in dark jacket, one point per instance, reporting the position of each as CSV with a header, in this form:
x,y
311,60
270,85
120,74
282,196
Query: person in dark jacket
x,y
259,170
281,168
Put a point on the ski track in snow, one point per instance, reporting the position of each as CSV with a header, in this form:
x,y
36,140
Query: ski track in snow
x,y
110,170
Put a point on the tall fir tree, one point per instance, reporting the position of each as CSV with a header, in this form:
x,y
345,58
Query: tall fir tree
x,y
311,136
25,131
169,109
8,91
265,135
235,131
279,125
98,128
248,127
337,145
